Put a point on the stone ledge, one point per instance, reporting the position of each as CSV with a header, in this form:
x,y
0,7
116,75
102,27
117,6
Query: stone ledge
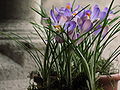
x,y
9,70
19,84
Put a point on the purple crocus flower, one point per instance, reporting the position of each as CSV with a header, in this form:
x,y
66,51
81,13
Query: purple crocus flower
x,y
96,14
66,11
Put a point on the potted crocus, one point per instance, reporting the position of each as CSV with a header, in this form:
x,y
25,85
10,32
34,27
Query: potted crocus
x,y
74,40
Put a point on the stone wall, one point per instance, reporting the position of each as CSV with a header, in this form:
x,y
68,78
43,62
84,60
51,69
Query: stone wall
x,y
15,64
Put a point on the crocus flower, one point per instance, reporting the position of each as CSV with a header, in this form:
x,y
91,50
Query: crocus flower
x,y
96,14
66,11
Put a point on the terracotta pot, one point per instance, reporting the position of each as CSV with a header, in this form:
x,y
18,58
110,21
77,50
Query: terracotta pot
x,y
109,82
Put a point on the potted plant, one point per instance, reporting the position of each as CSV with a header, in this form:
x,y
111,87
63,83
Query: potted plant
x,y
74,40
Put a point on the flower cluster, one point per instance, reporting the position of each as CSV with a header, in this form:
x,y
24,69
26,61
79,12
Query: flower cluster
x,y
76,22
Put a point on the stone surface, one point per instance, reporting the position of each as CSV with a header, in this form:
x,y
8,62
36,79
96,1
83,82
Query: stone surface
x,y
15,64
19,84
18,9
9,70
47,4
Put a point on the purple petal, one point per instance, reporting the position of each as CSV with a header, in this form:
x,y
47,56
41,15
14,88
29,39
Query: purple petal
x,y
95,12
62,9
105,30
70,25
67,13
87,25
106,10
62,20
57,10
77,36
53,16
98,29
76,8
74,36
81,14
58,17
79,21
102,15
88,11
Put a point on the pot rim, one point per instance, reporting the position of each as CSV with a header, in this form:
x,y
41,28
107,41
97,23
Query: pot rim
x,y
110,77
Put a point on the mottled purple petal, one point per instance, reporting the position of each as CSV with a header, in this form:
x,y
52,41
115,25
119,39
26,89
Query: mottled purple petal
x,y
62,20
79,21
87,25
105,30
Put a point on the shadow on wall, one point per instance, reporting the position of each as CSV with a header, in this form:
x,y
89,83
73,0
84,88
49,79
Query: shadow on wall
x,y
14,9
13,53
